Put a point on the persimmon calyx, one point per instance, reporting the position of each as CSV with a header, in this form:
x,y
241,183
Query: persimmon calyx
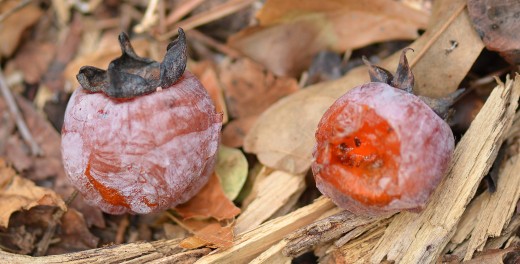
x,y
131,76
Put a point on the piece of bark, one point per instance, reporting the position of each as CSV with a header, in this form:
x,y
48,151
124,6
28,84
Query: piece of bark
x,y
510,231
140,252
467,221
420,238
306,238
498,207
358,250
250,244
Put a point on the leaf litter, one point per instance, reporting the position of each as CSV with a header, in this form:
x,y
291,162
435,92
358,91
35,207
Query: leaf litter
x,y
254,68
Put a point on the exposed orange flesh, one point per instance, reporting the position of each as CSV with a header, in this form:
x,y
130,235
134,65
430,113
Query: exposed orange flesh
x,y
355,163
110,195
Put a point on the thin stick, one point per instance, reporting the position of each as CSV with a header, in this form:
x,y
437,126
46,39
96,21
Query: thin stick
x,y
43,244
149,18
183,9
436,36
208,41
213,14
20,123
14,9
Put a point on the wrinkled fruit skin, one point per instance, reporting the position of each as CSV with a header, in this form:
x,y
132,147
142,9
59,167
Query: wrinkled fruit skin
x,y
380,150
144,154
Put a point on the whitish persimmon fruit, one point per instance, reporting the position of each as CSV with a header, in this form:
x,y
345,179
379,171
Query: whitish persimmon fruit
x,y
380,149
141,136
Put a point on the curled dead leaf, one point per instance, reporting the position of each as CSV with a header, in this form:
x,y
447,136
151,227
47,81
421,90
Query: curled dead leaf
x,y
17,193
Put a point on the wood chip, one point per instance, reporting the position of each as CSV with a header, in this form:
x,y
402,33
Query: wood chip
x,y
250,244
273,255
497,208
420,238
273,193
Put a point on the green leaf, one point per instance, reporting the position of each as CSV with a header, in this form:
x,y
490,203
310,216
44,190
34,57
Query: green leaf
x,y
232,170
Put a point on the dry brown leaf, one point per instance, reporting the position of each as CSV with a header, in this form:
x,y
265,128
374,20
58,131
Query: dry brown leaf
x,y
235,131
192,243
212,234
217,235
497,23
209,202
17,193
207,75
13,26
74,235
33,60
292,32
250,89
283,136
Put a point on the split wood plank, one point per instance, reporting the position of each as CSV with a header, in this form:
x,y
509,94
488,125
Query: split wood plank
x,y
420,238
250,244
273,255
498,207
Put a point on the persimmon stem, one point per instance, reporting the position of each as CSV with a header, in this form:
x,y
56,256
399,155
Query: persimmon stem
x,y
131,76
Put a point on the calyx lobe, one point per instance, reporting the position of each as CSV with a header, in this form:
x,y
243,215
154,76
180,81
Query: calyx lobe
x,y
130,76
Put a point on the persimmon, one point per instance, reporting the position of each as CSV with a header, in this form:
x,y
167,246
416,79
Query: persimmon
x,y
380,148
141,136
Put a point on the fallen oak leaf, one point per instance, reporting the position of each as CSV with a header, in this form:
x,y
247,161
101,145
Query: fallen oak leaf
x,y
17,193
211,201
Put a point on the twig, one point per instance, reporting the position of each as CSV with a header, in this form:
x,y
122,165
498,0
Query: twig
x,y
222,48
213,14
149,18
20,123
436,35
14,9
183,9
121,230
43,244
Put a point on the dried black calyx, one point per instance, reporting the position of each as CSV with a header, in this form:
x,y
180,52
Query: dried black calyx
x,y
404,80
130,76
